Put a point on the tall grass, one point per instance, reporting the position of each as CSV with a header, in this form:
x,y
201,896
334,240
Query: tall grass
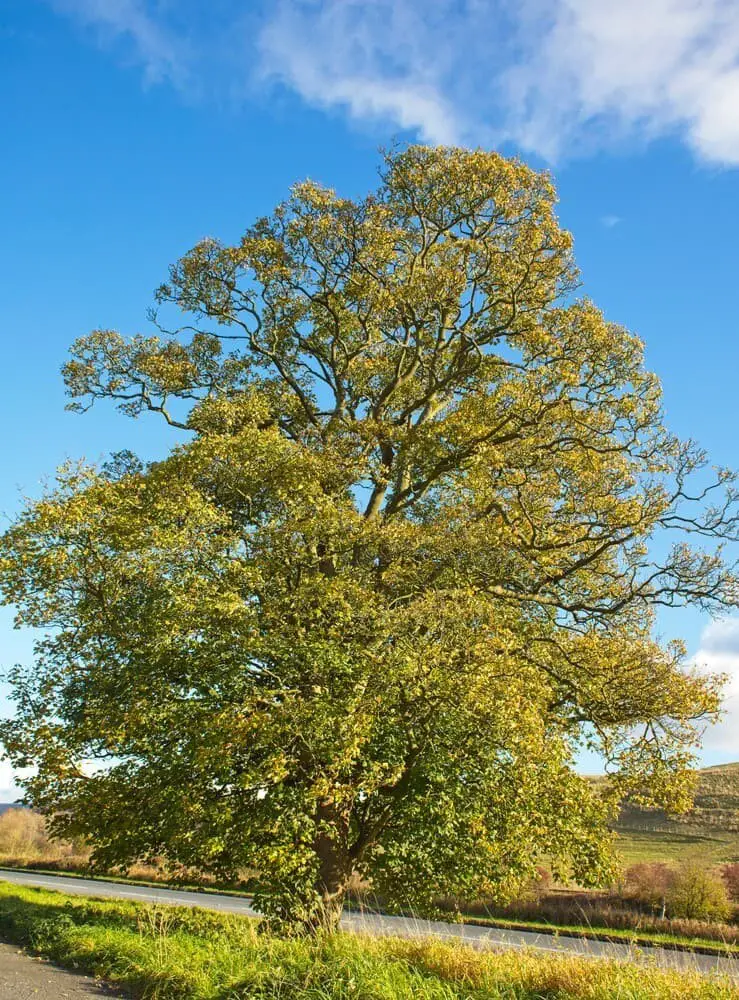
x,y
684,901
188,954
591,910
25,843
24,837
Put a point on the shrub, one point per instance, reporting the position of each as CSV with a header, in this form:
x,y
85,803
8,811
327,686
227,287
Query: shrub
x,y
697,894
730,876
649,884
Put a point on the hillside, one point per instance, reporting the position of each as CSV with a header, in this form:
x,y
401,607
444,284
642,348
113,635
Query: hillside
x,y
710,830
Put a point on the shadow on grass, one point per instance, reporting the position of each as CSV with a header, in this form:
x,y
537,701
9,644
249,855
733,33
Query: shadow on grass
x,y
121,942
138,950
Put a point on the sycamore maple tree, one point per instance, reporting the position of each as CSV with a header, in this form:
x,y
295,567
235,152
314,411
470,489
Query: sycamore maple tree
x,y
400,565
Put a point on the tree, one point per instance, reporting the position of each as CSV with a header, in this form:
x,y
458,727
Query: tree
x,y
730,876
399,567
650,883
697,894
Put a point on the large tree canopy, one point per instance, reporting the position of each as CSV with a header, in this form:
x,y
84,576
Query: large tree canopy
x,y
401,565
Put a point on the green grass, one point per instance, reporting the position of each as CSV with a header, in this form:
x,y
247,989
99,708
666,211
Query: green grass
x,y
170,953
675,842
680,942
709,832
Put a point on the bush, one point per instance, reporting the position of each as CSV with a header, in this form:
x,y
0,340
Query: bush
x,y
649,883
730,876
697,894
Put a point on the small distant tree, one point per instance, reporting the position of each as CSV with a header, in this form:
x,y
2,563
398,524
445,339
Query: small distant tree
x,y
649,883
696,893
542,881
730,876
398,570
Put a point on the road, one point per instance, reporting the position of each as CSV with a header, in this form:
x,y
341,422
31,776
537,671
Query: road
x,y
26,978
372,923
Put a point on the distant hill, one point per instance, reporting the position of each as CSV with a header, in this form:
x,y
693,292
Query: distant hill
x,y
4,806
709,831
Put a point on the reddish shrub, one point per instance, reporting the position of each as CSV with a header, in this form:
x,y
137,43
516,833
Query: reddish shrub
x,y
543,881
649,884
730,875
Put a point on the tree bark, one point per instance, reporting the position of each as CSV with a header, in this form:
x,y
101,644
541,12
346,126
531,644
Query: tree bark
x,y
331,845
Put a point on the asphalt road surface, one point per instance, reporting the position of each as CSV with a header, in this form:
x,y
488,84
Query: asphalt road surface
x,y
26,978
371,923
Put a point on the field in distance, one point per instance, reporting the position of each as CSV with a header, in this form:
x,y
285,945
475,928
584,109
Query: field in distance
x,y
710,831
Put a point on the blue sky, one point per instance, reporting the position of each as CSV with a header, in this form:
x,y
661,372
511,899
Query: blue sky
x,y
131,128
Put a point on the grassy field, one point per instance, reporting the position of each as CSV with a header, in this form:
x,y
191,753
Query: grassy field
x,y
665,939
710,831
177,954
675,843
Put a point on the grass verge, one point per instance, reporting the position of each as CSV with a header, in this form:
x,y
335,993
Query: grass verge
x,y
616,935
675,942
172,953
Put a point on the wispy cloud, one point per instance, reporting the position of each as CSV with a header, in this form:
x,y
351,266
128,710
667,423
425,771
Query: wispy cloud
x,y
161,52
334,53
609,221
372,59
719,653
553,77
600,69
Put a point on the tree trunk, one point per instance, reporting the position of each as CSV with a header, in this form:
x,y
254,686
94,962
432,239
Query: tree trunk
x,y
334,865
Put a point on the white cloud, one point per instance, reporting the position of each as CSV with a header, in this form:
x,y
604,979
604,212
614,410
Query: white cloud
x,y
554,77
656,66
609,221
9,791
719,653
161,52
371,59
